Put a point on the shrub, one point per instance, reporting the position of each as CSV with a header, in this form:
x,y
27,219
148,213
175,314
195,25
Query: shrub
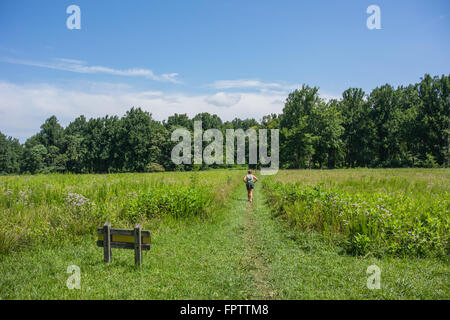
x,y
172,200
154,167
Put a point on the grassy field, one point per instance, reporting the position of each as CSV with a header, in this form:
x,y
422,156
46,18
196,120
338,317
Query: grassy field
x,y
53,208
396,212
208,242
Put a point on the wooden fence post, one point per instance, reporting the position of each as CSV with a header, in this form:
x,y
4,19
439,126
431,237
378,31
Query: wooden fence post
x,y
107,242
137,245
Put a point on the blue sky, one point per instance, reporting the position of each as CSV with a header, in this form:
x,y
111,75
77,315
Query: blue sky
x,y
232,58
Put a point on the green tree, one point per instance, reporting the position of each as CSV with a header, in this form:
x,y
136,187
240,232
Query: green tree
x,y
388,119
141,140
34,158
359,128
296,132
51,133
328,129
10,155
433,117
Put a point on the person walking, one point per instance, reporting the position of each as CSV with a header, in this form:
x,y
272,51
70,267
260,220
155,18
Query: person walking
x,y
250,181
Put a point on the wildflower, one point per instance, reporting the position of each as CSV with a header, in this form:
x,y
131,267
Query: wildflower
x,y
23,197
75,200
8,192
24,194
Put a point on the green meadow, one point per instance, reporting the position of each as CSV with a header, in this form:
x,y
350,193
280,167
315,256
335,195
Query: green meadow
x,y
309,234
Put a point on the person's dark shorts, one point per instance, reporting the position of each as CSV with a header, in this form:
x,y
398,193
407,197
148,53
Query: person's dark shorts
x,y
250,186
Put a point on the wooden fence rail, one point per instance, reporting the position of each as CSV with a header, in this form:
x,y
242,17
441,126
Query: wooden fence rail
x,y
136,239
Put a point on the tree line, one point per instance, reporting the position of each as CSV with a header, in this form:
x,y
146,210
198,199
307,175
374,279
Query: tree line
x,y
407,126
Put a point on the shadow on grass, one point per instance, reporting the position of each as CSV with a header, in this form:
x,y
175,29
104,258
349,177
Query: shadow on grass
x,y
240,199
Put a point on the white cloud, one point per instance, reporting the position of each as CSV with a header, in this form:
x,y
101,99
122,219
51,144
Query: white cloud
x,y
72,61
329,96
78,66
249,83
23,108
266,88
222,99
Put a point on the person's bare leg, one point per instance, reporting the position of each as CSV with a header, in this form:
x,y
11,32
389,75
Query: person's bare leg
x,y
249,191
251,195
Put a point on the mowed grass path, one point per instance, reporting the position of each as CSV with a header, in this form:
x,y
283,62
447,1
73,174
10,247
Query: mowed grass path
x,y
244,252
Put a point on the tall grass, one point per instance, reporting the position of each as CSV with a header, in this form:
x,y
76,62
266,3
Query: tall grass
x,y
379,211
177,201
60,207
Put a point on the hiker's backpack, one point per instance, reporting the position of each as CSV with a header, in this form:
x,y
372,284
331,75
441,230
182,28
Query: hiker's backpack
x,y
250,181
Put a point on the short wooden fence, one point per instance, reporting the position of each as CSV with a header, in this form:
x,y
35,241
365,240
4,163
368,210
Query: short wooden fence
x,y
136,239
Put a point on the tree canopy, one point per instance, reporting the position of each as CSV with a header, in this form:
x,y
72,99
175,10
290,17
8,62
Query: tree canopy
x,y
389,127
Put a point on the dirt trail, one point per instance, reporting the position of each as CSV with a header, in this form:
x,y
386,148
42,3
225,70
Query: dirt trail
x,y
254,258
